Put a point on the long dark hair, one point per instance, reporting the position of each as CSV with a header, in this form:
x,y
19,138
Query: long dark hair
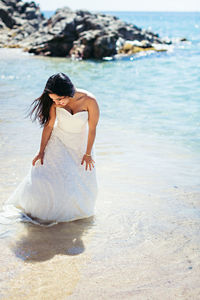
x,y
58,84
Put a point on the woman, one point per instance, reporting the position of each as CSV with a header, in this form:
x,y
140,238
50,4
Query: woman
x,y
61,185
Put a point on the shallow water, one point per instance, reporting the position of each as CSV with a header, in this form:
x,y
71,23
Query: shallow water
x,y
143,242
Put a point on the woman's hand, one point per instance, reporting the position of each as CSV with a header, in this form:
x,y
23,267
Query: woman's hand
x,y
39,156
89,161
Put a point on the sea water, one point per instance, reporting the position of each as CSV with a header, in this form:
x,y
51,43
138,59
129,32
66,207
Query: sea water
x,y
143,242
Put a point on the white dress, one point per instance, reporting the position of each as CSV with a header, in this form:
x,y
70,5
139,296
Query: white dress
x,y
61,189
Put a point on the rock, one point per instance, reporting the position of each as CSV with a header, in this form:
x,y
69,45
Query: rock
x,y
6,18
79,51
132,47
79,34
183,40
22,18
89,35
105,46
2,25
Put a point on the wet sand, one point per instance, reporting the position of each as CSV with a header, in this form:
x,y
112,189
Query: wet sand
x,y
43,263
142,243
149,250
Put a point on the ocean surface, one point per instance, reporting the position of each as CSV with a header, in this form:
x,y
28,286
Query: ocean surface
x,y
143,242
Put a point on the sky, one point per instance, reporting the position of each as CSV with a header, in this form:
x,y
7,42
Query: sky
x,y
125,5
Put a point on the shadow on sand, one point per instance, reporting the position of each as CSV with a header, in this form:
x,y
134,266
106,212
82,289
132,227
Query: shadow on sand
x,y
37,243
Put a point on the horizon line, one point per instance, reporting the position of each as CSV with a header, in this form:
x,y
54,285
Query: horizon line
x,y
131,11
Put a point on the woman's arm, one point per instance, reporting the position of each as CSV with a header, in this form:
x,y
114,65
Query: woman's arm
x,y
94,112
46,133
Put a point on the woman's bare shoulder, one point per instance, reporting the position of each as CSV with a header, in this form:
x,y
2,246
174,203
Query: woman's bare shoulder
x,y
54,105
86,93
52,108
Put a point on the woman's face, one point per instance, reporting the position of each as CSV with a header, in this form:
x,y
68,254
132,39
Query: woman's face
x,y
60,100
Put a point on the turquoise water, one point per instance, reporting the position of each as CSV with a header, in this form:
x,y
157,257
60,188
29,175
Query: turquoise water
x,y
147,160
158,93
152,99
153,96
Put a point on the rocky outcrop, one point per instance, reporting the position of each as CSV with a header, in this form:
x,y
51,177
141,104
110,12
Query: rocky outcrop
x,y
79,34
18,20
82,34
